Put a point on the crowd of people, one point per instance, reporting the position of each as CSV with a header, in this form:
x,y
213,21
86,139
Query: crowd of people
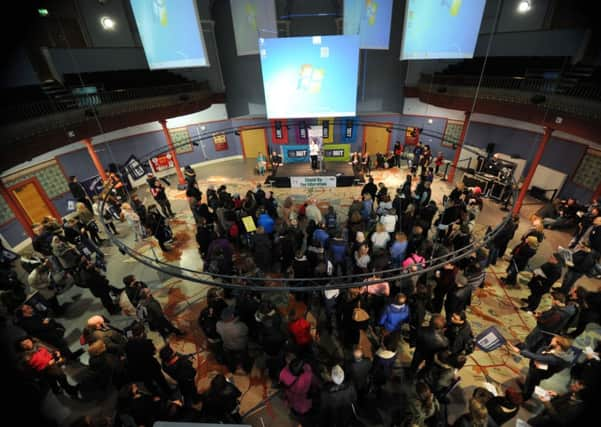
x,y
333,353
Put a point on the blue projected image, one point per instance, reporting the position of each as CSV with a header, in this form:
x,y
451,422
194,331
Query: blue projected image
x,y
170,32
438,29
371,20
310,76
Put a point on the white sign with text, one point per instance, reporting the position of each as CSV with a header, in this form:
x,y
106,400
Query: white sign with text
x,y
312,181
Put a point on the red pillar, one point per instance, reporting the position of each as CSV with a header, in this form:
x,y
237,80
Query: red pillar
x,y
459,146
16,208
535,162
95,159
178,171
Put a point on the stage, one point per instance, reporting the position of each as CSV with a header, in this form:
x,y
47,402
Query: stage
x,y
342,171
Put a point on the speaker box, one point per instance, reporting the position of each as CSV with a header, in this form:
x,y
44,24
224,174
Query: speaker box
x,y
490,148
278,129
538,193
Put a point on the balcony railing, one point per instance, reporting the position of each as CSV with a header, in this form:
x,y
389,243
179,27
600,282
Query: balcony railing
x,y
542,86
20,112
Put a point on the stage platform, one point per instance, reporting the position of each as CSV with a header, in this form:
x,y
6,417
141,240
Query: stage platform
x,y
343,172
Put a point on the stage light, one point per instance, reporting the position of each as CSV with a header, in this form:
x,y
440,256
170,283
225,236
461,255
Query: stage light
x,y
107,23
430,121
524,6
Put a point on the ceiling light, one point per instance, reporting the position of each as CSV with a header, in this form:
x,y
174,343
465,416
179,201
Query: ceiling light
x,y
107,23
430,121
524,6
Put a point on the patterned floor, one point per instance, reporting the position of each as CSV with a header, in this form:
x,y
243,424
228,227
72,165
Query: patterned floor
x,y
183,301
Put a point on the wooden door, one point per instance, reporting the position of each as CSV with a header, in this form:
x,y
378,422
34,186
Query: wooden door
x,y
376,139
32,202
253,143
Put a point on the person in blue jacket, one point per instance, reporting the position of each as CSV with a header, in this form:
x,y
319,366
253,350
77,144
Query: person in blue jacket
x,y
266,222
395,314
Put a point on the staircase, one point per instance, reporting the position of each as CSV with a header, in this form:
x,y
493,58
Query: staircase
x,y
62,98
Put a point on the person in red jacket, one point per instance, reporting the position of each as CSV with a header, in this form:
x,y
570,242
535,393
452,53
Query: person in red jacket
x,y
46,363
300,330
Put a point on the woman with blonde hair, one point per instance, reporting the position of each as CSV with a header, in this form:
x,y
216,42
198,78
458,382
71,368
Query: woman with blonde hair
x,y
86,218
380,238
133,220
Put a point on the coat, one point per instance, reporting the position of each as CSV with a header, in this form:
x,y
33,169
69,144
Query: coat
x,y
263,251
296,389
457,299
438,375
337,404
394,316
234,334
358,372
382,367
461,338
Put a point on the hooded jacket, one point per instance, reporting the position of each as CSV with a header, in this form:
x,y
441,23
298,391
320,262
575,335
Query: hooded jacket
x,y
382,367
296,389
336,404
394,316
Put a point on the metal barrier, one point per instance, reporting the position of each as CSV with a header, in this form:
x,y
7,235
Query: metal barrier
x,y
340,282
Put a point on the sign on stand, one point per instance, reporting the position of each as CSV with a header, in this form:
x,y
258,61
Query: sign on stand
x,y
312,181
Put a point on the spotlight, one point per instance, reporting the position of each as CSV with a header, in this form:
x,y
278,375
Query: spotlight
x,y
524,6
107,23
430,121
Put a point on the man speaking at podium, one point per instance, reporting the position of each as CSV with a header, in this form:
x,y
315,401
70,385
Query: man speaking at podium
x,y
314,153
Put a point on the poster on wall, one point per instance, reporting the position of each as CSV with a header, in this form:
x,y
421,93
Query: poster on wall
x,y
161,162
220,141
411,136
134,168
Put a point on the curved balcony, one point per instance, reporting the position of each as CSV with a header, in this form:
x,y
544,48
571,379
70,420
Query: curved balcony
x,y
572,107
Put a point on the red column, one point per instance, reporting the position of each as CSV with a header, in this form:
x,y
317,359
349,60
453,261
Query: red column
x,y
16,208
178,171
535,162
95,159
459,147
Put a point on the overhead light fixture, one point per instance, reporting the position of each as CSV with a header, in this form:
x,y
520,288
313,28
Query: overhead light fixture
x,y
108,23
524,6
430,121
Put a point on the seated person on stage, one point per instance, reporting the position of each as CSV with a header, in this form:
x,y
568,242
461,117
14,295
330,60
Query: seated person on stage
x,y
365,163
276,161
261,163
356,161
390,160
380,161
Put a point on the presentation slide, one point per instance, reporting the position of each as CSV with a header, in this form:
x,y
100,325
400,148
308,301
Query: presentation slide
x,y
170,32
310,76
253,19
441,29
370,19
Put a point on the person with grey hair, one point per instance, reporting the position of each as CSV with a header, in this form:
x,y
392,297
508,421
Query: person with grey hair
x,y
338,400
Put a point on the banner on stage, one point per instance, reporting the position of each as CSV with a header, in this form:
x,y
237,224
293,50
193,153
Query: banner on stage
x,y
337,152
295,153
312,181
489,339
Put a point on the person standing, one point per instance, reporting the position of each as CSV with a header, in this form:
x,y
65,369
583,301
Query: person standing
x,y
181,370
91,278
430,340
521,255
458,297
158,192
79,193
141,363
234,335
337,400
398,151
153,312
314,153
459,334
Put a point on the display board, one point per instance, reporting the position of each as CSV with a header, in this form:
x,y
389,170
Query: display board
x,y
370,19
295,153
170,32
252,20
220,142
588,173
436,29
161,162
337,152
452,133
181,140
310,76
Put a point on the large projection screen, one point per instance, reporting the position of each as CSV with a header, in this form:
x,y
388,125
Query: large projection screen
x,y
252,19
171,33
371,20
310,76
441,29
